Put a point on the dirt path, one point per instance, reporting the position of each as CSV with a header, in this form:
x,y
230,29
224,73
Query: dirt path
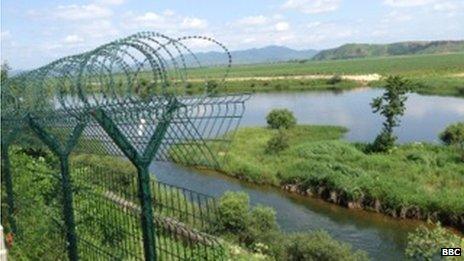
x,y
356,77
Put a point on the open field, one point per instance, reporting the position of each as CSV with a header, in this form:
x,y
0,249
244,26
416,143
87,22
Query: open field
x,y
404,65
433,74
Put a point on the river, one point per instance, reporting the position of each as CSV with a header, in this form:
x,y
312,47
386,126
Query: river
x,y
384,238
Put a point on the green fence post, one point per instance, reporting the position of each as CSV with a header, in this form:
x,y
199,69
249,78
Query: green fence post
x,y
148,225
68,211
6,171
66,185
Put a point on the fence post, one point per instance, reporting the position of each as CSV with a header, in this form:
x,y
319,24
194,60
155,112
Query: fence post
x,y
68,211
6,171
66,186
148,225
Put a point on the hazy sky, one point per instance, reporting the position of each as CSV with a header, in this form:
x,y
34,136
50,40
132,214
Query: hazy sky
x,y
36,32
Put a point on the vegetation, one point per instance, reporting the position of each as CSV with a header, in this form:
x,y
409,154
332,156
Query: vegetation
x,y
38,200
416,180
278,142
351,51
426,243
257,229
5,68
440,74
101,225
391,105
280,118
334,79
453,135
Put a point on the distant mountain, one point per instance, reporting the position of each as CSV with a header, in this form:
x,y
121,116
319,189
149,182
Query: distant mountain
x,y
350,51
269,54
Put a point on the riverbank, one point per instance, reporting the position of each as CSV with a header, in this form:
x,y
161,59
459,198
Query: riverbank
x,y
439,74
443,85
418,181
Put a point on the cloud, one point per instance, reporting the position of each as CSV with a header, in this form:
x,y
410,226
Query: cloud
x,y
82,12
407,3
167,21
312,6
253,20
396,17
194,23
111,2
282,26
73,39
5,35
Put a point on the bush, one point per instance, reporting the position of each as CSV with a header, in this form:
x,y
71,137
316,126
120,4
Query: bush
x,y
280,118
334,79
232,214
425,243
278,142
318,246
262,225
212,87
453,134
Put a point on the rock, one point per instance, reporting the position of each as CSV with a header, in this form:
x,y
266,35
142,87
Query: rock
x,y
309,192
333,196
377,205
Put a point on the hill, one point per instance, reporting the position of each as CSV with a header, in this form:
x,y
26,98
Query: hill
x,y
268,54
350,51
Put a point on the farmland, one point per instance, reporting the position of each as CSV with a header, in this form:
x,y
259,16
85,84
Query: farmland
x,y
441,74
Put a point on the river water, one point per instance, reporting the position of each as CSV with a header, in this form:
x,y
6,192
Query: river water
x,y
384,238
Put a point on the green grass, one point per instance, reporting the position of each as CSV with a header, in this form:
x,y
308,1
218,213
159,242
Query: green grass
x,y
414,176
416,65
435,74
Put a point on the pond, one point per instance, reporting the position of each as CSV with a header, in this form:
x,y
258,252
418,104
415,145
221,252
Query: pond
x,y
384,238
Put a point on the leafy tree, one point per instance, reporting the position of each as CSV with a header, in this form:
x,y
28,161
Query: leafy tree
x,y
281,118
4,71
278,142
390,105
453,135
425,243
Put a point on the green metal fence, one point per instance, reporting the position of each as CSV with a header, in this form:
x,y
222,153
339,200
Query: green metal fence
x,y
126,99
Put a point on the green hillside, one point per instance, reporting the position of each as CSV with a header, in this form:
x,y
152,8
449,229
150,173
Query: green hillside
x,y
351,51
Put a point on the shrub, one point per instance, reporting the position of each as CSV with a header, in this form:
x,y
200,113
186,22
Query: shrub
x,y
461,91
318,246
425,243
232,214
453,135
212,87
334,79
280,118
277,143
262,225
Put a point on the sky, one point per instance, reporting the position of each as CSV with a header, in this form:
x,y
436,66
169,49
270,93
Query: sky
x,y
34,33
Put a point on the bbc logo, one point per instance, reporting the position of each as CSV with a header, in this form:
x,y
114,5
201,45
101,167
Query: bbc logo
x,y
451,251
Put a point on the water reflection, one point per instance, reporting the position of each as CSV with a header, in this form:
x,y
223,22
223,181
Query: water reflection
x,y
425,117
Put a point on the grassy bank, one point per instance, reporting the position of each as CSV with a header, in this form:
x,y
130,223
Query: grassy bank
x,y
414,181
